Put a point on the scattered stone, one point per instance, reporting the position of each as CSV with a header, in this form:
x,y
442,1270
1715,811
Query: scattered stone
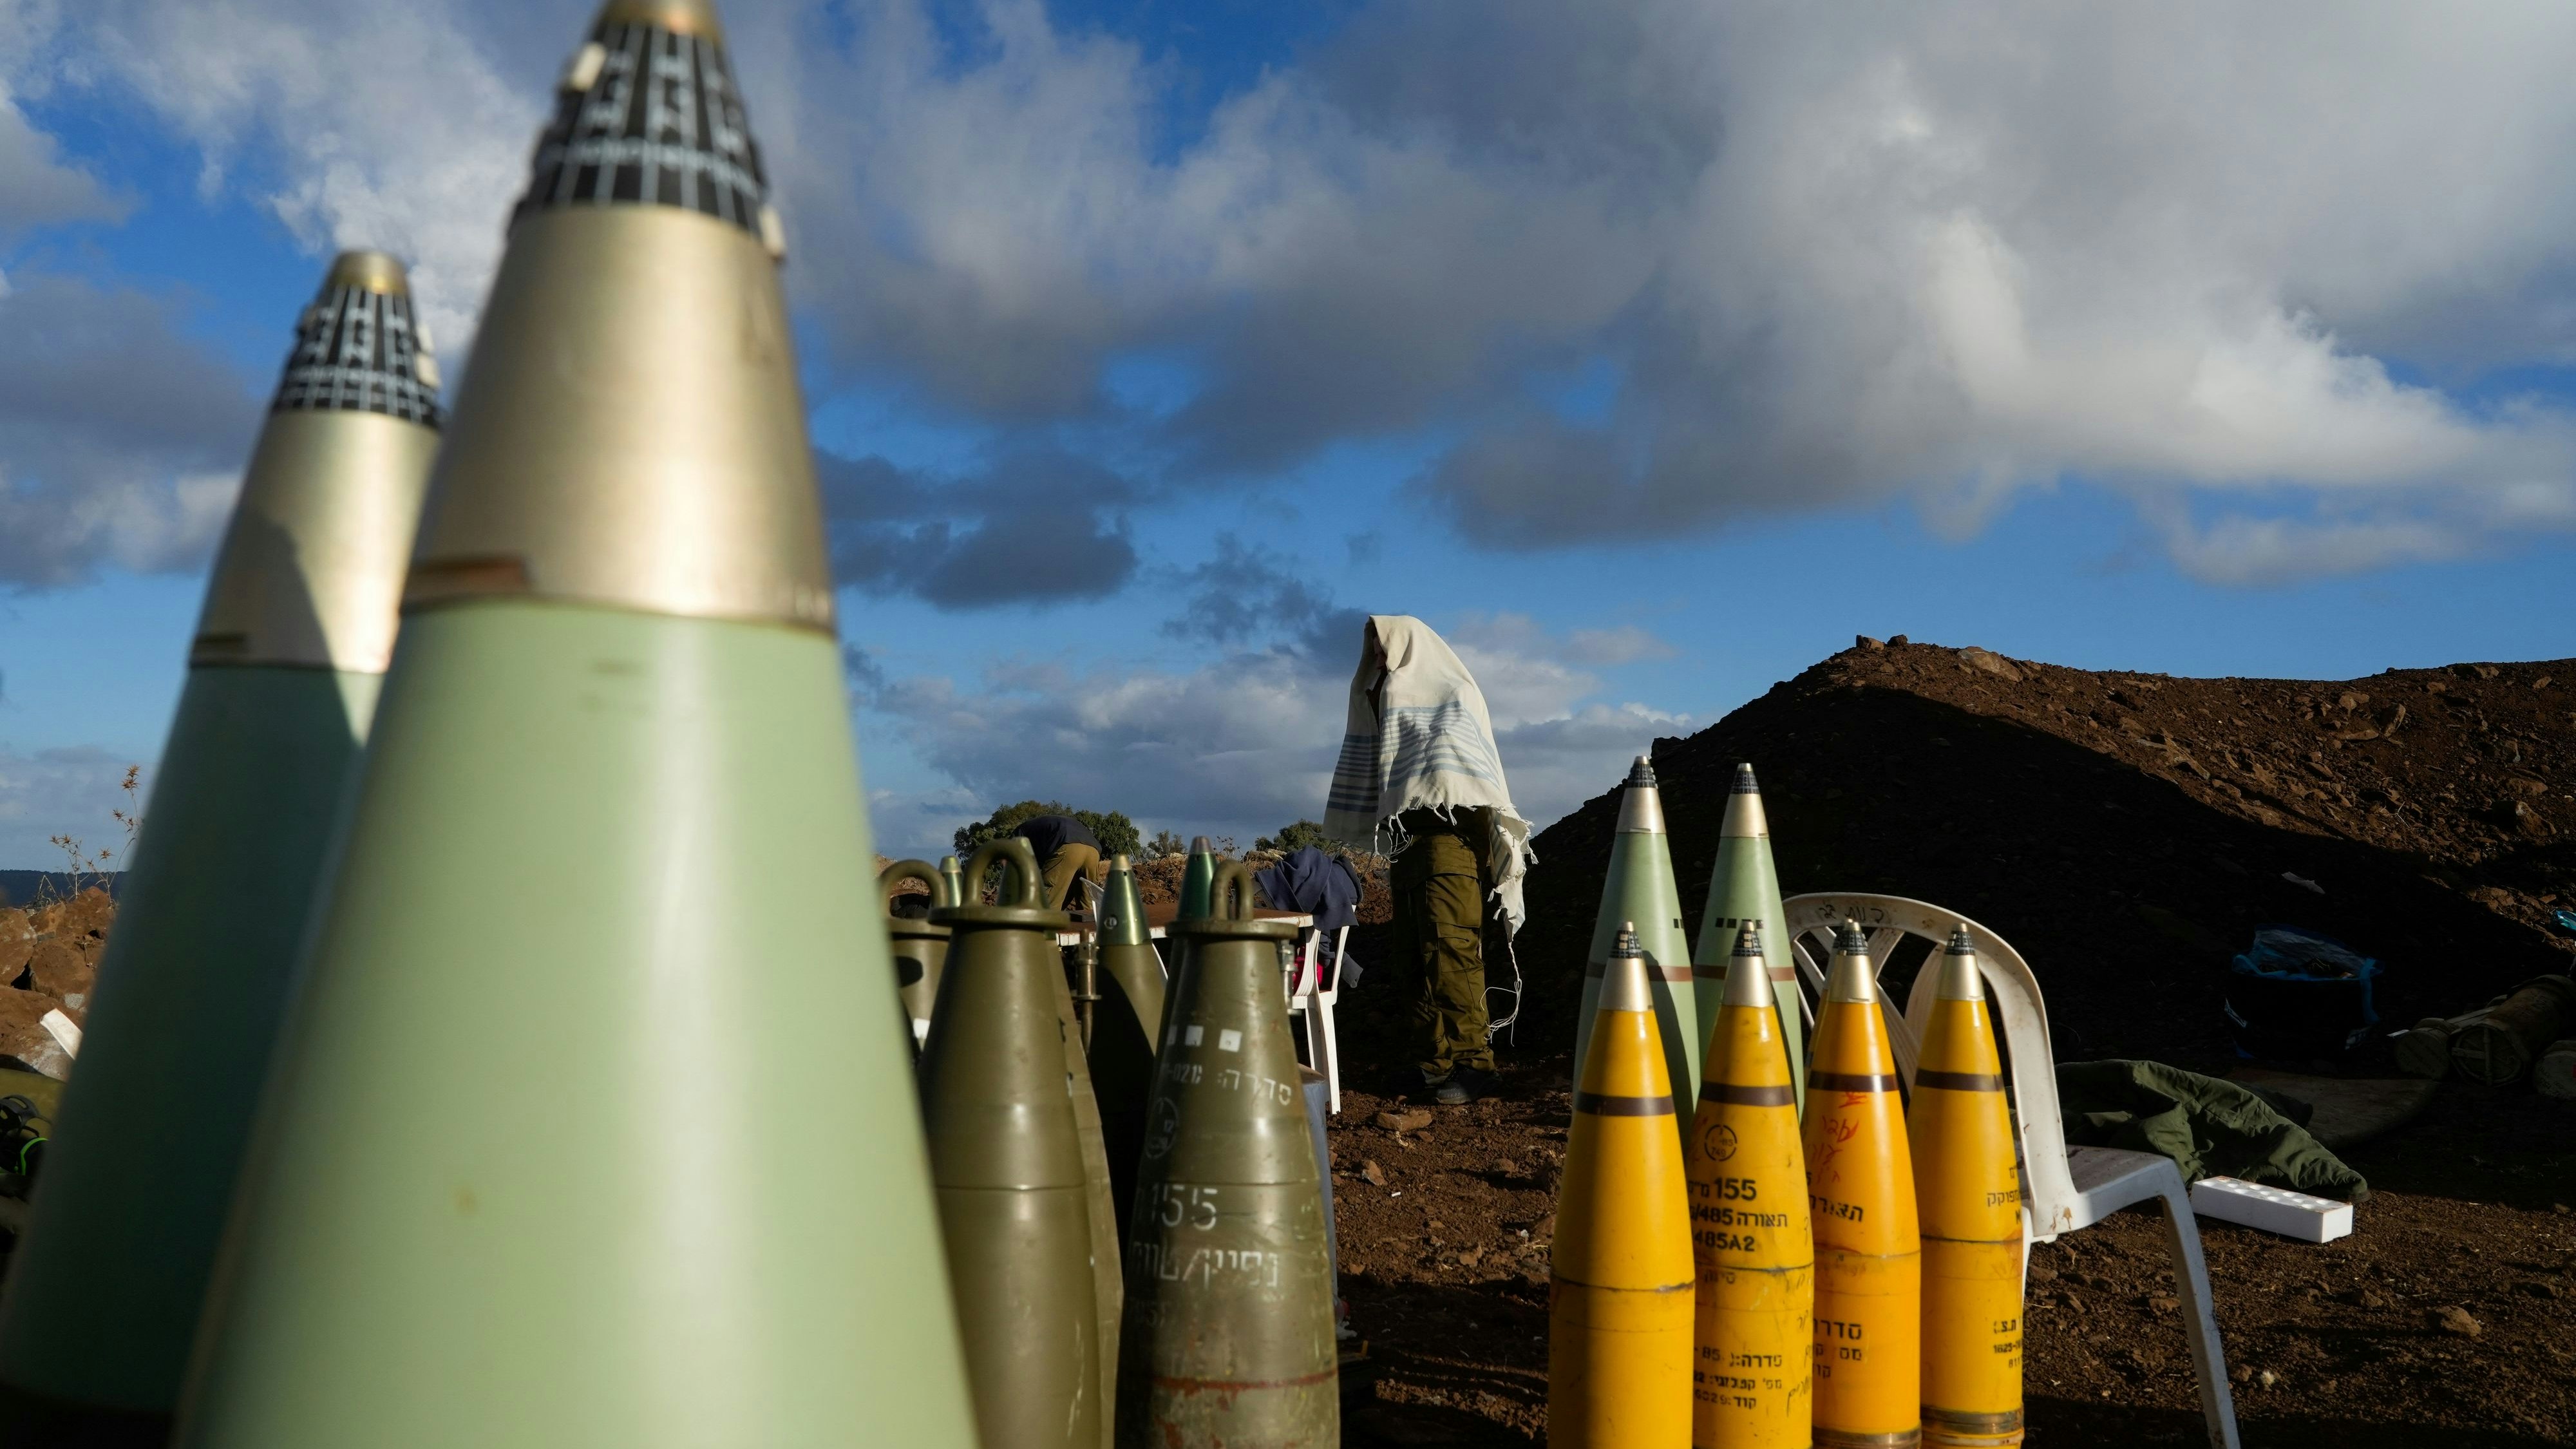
x,y
64,973
2267,1378
2529,821
1372,1174
1544,1230
1470,1257
2163,1304
1992,663
1408,1121
1865,642
2457,1320
1894,639
2242,1373
2039,1274
1508,1168
23,1036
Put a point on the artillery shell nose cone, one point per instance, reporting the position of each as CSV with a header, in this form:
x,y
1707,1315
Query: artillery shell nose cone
x,y
1854,977
1201,845
1960,979
368,271
1642,774
684,17
1748,976
1121,862
669,472
1627,944
1744,784
311,568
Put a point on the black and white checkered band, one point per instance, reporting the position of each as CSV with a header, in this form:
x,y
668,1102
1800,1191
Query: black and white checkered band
x,y
658,124
359,351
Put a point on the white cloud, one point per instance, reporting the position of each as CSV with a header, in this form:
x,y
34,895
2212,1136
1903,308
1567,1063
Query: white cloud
x,y
360,123
60,792
1838,254
121,439
36,188
1831,255
1237,747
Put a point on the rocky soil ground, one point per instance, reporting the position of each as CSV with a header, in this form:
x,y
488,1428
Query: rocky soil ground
x,y
48,962
2127,833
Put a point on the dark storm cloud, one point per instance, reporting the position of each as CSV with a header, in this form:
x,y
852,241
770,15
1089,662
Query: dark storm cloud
x,y
121,440
1816,256
36,189
1037,527
1831,256
1241,595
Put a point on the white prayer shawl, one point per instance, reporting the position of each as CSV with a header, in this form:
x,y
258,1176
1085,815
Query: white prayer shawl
x,y
1419,737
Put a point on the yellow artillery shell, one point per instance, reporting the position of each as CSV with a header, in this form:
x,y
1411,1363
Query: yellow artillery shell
x,y
1750,1380
1969,1196
1860,1196
1619,1299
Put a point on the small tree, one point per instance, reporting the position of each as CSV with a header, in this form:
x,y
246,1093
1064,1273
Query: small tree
x,y
1300,835
1165,843
1118,834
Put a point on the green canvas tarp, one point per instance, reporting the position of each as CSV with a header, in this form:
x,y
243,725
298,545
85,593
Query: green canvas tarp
x,y
2210,1128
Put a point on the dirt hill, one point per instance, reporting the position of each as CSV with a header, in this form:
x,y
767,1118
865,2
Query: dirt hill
x,y
2128,832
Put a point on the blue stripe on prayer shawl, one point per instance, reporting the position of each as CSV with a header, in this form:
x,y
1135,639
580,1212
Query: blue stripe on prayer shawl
x,y
1355,779
1442,738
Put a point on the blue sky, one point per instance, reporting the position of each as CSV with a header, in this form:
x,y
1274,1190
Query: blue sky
x,y
1650,356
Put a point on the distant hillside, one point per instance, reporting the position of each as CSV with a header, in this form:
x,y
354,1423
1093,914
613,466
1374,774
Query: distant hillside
x,y
2127,832
23,887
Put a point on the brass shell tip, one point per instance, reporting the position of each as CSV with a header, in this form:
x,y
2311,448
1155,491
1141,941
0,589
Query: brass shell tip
x,y
368,271
1849,941
1744,784
1121,862
681,17
1748,941
1960,942
948,862
1641,776
1627,945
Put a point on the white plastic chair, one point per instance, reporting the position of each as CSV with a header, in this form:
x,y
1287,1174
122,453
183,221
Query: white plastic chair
x,y
2065,1189
1312,990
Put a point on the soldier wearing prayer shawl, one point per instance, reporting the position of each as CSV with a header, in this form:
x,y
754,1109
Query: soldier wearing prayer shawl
x,y
1420,775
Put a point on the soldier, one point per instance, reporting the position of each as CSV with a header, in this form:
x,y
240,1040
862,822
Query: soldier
x,y
1066,848
1419,766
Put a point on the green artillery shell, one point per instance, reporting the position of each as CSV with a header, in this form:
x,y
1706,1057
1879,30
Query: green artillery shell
x,y
587,1129
1197,873
919,947
1129,1012
1639,888
1014,1198
298,626
1229,1328
1107,1278
1744,890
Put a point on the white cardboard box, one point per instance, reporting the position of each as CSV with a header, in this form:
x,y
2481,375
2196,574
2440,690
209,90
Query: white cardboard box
x,y
2273,1209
